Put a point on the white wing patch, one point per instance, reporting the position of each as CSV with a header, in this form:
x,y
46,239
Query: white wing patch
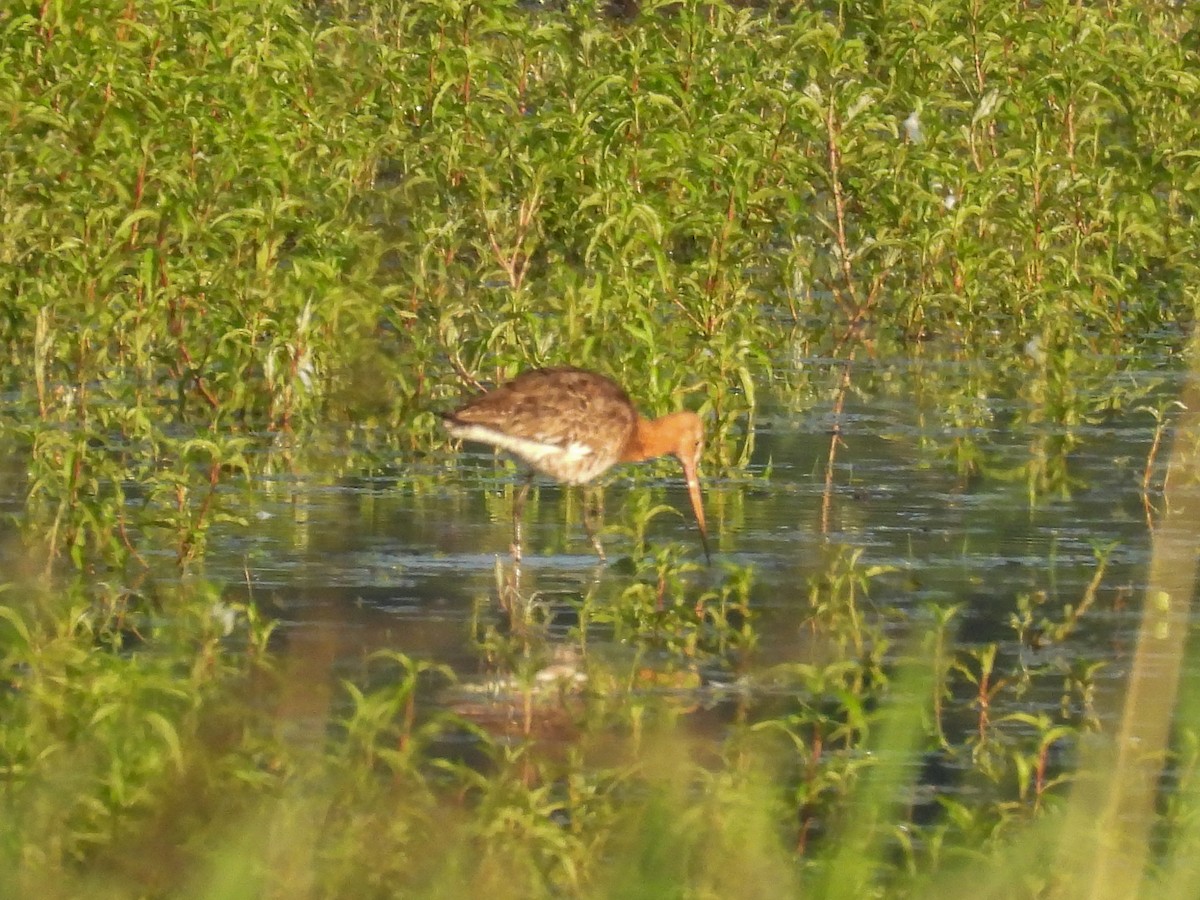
x,y
574,462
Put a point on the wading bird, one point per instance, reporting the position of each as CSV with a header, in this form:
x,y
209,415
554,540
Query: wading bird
x,y
575,425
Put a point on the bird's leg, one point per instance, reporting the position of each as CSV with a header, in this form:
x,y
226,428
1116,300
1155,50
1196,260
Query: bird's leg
x,y
593,511
518,510
508,589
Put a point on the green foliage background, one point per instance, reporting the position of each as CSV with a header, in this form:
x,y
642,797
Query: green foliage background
x,y
227,226
224,218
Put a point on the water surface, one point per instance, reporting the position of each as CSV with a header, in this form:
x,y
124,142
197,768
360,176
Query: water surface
x,y
407,559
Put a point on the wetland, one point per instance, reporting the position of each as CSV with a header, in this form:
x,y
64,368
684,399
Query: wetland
x,y
928,273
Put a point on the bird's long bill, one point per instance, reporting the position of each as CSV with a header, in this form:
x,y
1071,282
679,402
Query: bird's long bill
x,y
691,473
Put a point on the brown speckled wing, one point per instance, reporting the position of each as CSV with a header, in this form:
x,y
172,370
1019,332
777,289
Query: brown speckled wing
x,y
587,415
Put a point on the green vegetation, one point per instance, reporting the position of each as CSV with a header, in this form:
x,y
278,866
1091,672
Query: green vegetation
x,y
244,238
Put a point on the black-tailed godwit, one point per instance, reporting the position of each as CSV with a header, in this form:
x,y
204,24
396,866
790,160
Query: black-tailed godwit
x,y
575,425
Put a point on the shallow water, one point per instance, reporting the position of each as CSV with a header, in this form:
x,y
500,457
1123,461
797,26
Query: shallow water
x,y
408,560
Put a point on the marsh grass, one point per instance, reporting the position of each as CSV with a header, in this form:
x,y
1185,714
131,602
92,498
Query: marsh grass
x,y
217,768
243,239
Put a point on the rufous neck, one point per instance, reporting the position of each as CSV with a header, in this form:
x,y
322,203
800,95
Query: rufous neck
x,y
651,438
